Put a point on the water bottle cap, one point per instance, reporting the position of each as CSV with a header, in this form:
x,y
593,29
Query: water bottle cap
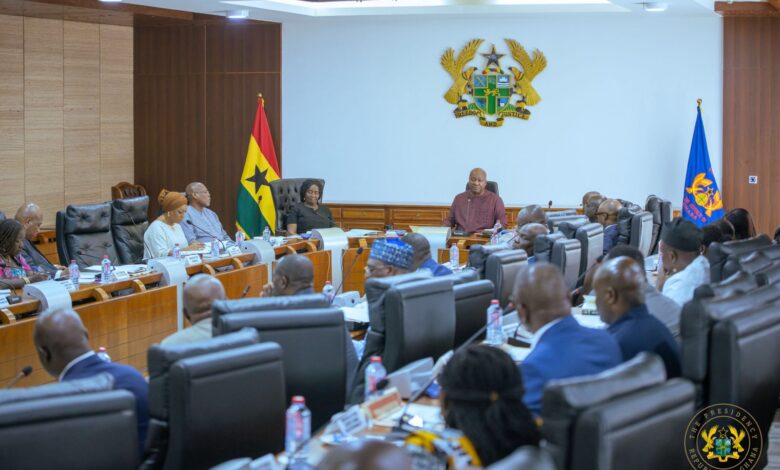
x,y
494,301
177,244
327,283
72,261
298,400
105,256
101,349
376,360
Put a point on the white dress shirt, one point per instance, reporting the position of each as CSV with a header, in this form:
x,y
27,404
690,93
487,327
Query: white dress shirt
x,y
680,286
160,238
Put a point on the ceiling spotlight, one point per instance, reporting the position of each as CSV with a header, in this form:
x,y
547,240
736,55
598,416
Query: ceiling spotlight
x,y
655,6
237,14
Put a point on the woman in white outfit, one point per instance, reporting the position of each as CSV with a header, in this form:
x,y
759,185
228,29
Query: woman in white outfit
x,y
165,232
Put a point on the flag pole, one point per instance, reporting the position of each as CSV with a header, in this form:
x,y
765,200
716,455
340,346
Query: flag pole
x,y
698,102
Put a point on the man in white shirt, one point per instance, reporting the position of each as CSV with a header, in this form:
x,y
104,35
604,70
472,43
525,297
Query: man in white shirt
x,y
200,223
681,266
199,293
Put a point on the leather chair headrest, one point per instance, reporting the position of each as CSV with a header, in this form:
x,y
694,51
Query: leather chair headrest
x,y
543,245
130,211
478,255
739,282
465,275
569,228
259,304
98,383
568,396
88,218
283,319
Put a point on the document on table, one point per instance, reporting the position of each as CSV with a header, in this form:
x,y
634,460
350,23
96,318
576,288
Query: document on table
x,y
357,233
421,415
356,314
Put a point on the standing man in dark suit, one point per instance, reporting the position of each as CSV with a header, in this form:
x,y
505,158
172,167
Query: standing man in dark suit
x,y
31,217
64,351
620,297
560,346
607,216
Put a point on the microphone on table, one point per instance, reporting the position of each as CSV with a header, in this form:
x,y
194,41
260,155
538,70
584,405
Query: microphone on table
x,y
549,204
244,292
345,272
12,298
27,370
207,232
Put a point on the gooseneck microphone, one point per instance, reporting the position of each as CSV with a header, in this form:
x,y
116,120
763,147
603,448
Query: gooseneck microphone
x,y
27,370
346,272
207,232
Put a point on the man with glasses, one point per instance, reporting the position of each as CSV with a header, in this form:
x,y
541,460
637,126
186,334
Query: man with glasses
x,y
607,216
200,223
389,257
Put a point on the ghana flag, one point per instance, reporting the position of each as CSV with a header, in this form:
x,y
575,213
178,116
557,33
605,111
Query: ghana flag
x,y
254,205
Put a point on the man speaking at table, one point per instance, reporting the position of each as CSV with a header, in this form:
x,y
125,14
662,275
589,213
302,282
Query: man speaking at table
x,y
476,208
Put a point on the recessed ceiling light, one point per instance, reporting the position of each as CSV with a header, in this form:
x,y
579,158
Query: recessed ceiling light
x,y
110,1
655,6
237,14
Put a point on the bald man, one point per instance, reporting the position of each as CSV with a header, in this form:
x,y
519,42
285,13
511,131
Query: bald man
x,y
31,217
607,216
526,237
533,214
200,291
476,208
200,223
591,207
294,275
620,296
63,348
560,346
422,255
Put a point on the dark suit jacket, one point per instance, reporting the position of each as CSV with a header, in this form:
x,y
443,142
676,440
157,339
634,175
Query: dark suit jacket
x,y
610,237
126,378
35,258
566,349
637,331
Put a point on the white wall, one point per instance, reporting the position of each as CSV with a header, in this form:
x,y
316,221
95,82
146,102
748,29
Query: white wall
x,y
363,107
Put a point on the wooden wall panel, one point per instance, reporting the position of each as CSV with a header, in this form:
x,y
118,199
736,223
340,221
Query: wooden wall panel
x,y
116,106
43,124
751,141
11,111
81,113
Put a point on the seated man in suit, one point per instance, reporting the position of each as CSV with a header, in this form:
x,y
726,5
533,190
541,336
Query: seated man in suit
x,y
31,217
200,223
63,348
389,257
294,275
608,217
681,266
533,214
199,292
422,255
526,236
476,208
560,346
620,297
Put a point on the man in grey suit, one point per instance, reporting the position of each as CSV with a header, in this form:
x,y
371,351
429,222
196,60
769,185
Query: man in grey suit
x,y
31,217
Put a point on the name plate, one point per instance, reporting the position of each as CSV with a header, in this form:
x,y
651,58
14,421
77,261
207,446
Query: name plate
x,y
191,259
384,405
69,285
266,462
351,421
4,302
234,251
121,275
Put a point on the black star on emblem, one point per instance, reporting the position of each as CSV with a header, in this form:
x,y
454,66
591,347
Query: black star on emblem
x,y
258,179
493,57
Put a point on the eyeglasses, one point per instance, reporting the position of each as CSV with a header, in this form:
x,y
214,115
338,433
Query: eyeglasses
x,y
372,269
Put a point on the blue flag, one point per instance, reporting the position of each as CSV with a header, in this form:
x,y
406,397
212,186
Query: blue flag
x,y
702,202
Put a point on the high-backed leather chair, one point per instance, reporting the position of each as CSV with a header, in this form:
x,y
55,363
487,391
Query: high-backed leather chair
x,y
501,269
661,209
286,193
718,253
491,186
471,302
569,228
478,255
750,263
314,342
125,190
561,213
739,282
463,276
84,235
529,457
768,275
214,400
128,225
566,254
591,238
2,216
75,424
554,222
262,304
543,245
601,422
625,218
635,228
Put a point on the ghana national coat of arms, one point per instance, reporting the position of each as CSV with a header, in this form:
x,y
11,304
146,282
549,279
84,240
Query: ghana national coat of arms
x,y
492,93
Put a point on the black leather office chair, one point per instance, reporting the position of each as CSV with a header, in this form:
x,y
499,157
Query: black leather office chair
x,y
719,253
625,217
471,302
661,210
768,275
501,269
526,457
566,255
561,213
463,276
739,282
543,245
214,400
262,304
635,228
554,222
601,422
314,343
569,228
491,186
128,225
84,235
286,193
750,263
2,216
478,255
76,424
591,238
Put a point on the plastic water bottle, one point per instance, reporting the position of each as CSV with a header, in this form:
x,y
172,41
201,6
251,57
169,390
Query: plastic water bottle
x,y
74,273
496,233
105,269
495,333
177,252
267,234
215,248
297,431
103,354
329,290
240,237
454,257
374,373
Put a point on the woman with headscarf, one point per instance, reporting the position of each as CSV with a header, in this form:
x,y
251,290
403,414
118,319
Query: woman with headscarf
x,y
14,270
309,214
165,232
